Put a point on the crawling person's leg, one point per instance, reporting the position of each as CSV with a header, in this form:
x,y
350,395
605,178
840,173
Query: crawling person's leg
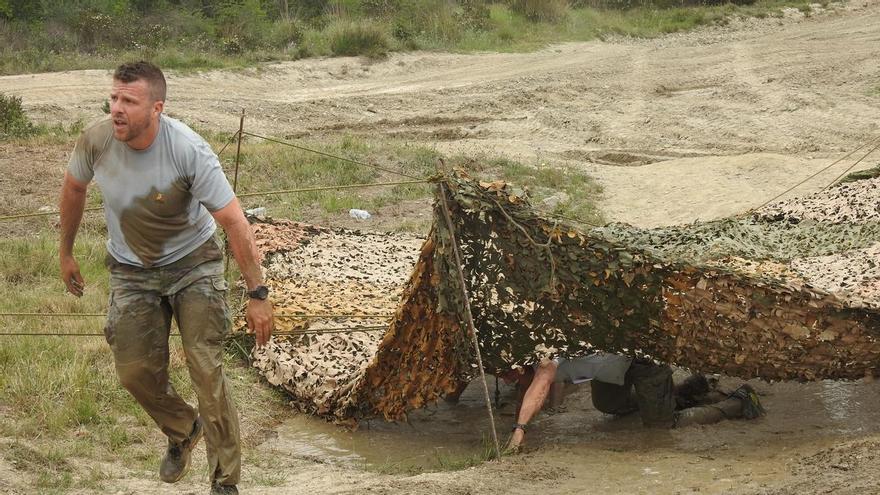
x,y
742,403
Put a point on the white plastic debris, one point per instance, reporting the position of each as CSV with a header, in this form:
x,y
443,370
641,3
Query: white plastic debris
x,y
256,212
359,214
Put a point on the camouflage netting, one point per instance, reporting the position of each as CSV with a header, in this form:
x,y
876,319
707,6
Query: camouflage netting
x,y
319,271
789,292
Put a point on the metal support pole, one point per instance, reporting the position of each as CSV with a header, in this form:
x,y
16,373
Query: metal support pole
x,y
469,316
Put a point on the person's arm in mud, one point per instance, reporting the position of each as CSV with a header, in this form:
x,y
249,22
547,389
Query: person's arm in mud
x,y
533,399
71,205
244,249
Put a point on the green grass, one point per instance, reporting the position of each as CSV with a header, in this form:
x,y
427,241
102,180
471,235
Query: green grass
x,y
61,394
439,462
431,25
359,38
50,468
868,173
272,166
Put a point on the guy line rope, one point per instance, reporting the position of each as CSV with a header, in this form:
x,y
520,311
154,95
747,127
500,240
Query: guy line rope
x,y
315,331
835,162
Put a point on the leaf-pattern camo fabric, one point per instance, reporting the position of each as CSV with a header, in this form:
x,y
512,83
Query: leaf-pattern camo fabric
x,y
317,271
788,292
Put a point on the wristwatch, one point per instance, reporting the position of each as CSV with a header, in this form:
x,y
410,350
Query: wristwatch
x,y
260,292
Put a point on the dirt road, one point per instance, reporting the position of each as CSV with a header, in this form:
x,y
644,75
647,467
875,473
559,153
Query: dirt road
x,y
688,126
761,103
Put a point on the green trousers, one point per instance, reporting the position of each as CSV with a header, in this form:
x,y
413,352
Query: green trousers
x,y
649,390
142,303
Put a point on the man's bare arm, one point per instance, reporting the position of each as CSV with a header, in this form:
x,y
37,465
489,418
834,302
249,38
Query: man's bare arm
x,y
244,249
71,204
533,399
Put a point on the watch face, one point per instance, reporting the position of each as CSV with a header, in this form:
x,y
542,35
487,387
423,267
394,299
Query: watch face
x,y
261,292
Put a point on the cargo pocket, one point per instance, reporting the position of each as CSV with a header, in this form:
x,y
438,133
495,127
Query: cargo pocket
x,y
222,286
219,283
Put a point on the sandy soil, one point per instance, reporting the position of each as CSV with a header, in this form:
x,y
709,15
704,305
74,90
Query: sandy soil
x,y
688,126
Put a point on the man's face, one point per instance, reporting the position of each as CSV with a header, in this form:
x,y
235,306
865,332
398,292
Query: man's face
x,y
132,109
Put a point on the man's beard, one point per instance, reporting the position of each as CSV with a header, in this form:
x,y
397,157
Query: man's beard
x,y
131,130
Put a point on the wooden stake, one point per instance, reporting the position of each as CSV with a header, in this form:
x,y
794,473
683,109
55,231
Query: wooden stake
x,y
469,317
235,182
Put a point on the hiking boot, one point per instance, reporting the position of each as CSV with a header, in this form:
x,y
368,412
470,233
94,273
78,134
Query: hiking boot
x,y
218,489
751,405
176,460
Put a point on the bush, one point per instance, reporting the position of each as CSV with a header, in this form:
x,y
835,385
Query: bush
x,y
352,38
474,15
285,34
13,121
242,24
541,10
380,8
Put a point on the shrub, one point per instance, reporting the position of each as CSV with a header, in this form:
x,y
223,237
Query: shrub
x,y
380,8
242,24
13,121
473,15
285,34
352,38
431,21
308,9
541,10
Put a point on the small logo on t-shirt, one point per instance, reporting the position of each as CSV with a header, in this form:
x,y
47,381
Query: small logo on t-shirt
x,y
160,198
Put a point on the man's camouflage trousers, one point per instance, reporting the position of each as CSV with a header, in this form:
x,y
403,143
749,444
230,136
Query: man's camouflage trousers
x,y
143,302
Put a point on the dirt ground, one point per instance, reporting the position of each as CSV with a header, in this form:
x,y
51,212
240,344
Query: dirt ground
x,y
688,126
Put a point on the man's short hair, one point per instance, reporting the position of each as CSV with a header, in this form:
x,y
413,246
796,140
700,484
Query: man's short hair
x,y
135,71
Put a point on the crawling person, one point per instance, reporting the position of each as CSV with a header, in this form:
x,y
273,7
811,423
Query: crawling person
x,y
622,385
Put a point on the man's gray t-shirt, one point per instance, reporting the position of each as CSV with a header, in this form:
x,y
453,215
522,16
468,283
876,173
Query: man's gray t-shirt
x,y
156,201
602,367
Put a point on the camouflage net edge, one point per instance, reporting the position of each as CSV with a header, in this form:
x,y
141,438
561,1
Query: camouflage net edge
x,y
424,353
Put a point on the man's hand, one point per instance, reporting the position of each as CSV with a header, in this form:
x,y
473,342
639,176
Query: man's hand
x,y
241,242
260,320
71,276
73,200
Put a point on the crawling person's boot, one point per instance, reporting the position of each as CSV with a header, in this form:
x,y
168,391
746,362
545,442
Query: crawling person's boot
x,y
177,457
751,404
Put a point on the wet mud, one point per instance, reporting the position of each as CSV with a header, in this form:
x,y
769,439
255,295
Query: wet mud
x,y
805,433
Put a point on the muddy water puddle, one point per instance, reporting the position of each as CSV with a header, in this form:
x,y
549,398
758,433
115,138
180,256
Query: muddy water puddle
x,y
441,437
583,447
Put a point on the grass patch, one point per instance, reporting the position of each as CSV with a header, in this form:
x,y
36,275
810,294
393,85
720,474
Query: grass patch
x,y
439,462
16,125
272,166
245,34
353,38
869,173
49,469
61,393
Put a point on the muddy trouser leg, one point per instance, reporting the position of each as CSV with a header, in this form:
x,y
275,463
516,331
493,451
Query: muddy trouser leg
x,y
704,415
202,316
138,324
613,399
654,393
